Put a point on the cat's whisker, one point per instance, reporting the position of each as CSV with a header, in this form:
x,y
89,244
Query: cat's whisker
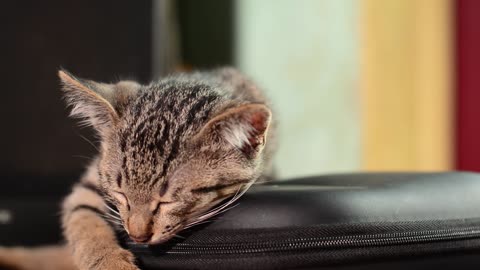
x,y
111,209
227,209
116,223
222,205
113,221
114,217
237,196
217,212
202,217
197,222
89,142
193,224
84,157
222,208
210,214
178,236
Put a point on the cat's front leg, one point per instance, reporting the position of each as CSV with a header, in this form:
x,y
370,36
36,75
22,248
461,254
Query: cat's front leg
x,y
38,258
11,258
91,238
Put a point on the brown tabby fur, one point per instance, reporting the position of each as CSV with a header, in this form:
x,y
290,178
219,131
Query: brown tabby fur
x,y
169,151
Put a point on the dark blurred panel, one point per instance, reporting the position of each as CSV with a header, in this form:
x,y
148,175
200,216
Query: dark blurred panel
x,y
31,200
101,40
206,32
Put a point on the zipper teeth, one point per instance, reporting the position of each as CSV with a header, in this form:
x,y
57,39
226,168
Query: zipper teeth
x,y
328,242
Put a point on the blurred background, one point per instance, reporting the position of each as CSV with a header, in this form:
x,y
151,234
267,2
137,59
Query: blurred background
x,y
357,85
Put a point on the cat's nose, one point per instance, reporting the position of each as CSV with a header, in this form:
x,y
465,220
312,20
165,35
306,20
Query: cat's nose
x,y
140,227
141,238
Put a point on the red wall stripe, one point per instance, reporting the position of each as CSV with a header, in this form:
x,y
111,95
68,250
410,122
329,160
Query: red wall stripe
x,y
468,85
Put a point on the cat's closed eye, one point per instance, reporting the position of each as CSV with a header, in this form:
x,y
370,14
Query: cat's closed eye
x,y
157,206
121,198
217,187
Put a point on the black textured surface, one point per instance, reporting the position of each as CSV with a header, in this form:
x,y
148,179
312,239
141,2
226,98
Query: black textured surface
x,y
329,206
315,207
360,197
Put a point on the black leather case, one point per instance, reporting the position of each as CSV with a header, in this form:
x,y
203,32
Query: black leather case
x,y
351,221
346,221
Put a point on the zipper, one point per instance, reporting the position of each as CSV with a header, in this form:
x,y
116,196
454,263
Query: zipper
x,y
295,244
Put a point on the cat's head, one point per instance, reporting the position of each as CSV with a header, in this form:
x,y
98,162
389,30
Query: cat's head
x,y
169,151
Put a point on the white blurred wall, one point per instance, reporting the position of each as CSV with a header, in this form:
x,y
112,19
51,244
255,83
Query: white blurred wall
x,y
304,53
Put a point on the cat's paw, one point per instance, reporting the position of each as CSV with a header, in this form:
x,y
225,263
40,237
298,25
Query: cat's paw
x,y
120,259
111,259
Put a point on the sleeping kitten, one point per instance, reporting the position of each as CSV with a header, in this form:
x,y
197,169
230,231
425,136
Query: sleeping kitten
x,y
169,152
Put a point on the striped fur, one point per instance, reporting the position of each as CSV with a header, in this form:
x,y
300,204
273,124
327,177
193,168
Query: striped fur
x,y
169,152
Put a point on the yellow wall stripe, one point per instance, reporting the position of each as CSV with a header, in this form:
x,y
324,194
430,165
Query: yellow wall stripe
x,y
406,65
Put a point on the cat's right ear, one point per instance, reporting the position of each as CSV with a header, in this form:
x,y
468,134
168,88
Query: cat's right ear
x,y
90,101
243,128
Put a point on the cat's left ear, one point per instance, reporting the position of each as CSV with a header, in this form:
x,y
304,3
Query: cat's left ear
x,y
244,127
99,104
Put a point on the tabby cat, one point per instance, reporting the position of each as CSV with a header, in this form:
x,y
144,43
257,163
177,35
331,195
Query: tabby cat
x,y
170,152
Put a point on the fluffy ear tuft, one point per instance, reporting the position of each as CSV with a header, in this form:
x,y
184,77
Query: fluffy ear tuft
x,y
244,127
99,104
88,101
